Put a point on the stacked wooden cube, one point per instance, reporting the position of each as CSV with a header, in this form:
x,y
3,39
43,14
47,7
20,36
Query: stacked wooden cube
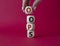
x,y
30,22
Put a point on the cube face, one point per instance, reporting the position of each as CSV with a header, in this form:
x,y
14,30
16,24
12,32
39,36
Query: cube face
x,y
30,34
30,19
28,10
29,26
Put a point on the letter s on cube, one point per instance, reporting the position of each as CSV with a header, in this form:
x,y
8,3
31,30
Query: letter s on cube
x,y
30,34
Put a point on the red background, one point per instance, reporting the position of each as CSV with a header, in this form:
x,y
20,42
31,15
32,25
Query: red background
x,y
13,24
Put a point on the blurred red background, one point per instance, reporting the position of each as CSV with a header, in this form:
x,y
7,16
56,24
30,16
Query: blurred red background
x,y
13,24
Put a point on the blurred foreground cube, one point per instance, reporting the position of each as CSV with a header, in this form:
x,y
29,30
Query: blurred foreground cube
x,y
28,10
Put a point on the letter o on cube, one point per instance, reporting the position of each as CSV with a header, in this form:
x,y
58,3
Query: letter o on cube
x,y
30,19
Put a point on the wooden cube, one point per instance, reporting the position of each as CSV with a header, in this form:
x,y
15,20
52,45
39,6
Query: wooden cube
x,y
30,34
30,26
28,10
30,19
